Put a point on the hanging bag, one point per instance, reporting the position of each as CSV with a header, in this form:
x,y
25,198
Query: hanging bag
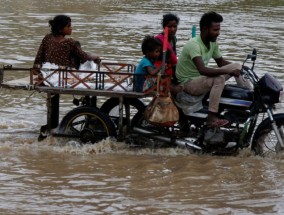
x,y
161,111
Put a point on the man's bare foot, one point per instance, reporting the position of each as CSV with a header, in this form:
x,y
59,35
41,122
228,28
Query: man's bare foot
x,y
218,123
214,121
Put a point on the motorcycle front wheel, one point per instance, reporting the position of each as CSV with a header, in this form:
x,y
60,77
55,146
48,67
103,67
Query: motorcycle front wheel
x,y
265,142
87,123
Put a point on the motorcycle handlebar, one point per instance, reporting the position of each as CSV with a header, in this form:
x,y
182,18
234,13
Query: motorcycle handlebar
x,y
252,56
244,70
248,72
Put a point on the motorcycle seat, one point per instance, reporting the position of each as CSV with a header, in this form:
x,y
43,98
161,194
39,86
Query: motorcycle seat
x,y
202,113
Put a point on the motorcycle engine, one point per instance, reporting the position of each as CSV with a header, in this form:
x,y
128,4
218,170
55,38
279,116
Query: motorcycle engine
x,y
220,136
235,116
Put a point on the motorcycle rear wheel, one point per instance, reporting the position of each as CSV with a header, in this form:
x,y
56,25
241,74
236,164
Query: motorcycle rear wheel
x,y
264,141
146,140
111,108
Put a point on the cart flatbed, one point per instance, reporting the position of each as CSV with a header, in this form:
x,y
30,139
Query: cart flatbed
x,y
110,80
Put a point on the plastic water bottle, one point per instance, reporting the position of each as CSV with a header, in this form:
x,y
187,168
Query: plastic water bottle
x,y
193,31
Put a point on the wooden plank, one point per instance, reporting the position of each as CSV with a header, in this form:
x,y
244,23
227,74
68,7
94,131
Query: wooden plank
x,y
90,92
21,83
114,73
17,87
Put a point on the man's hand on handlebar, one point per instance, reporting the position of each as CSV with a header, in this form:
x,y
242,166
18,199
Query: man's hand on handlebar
x,y
235,72
244,70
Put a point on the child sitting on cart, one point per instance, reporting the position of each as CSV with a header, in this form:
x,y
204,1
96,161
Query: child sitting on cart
x,y
151,48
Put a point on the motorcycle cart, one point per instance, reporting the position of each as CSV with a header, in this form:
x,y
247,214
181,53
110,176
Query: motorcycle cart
x,y
91,122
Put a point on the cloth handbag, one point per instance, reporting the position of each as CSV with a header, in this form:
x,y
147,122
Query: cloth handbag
x,y
162,110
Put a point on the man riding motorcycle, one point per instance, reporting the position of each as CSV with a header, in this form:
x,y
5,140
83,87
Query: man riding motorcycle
x,y
195,75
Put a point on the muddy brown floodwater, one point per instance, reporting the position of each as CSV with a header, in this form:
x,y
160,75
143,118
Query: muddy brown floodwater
x,y
59,176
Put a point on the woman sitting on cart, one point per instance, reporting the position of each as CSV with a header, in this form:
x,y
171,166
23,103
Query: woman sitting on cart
x,y
171,21
57,49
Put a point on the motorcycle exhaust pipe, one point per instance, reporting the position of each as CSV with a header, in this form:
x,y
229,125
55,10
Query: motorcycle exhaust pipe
x,y
179,142
187,143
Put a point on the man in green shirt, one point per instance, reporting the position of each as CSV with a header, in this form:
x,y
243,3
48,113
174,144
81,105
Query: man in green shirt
x,y
193,72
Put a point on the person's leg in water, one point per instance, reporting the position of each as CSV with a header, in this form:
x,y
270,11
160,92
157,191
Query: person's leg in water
x,y
54,117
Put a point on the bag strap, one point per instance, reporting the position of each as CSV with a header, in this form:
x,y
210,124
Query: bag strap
x,y
158,84
159,91
165,47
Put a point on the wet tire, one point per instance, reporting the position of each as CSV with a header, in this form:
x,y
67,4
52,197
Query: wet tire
x,y
139,121
264,141
144,140
87,123
111,108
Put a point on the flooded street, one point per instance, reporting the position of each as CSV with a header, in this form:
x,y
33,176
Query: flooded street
x,y
60,176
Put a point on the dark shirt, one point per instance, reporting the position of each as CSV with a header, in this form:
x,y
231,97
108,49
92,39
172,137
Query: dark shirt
x,y
60,53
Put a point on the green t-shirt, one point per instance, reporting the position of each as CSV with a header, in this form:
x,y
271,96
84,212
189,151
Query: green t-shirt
x,y
186,69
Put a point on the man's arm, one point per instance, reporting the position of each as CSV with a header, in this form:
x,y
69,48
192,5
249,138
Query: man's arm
x,y
221,62
211,72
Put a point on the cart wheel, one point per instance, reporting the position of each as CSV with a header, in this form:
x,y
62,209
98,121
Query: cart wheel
x,y
111,108
87,123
